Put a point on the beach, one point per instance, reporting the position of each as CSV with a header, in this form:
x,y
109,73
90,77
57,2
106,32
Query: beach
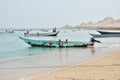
x,y
102,68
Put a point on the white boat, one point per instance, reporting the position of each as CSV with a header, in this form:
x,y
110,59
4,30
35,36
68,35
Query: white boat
x,y
109,32
104,35
41,34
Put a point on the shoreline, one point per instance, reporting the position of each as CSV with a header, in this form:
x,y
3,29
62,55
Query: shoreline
x,y
96,69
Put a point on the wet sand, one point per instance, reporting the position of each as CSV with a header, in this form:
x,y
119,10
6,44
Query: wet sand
x,y
104,68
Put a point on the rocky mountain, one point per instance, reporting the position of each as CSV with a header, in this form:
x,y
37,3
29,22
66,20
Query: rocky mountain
x,y
67,27
106,23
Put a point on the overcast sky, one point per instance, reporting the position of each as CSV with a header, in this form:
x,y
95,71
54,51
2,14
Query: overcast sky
x,y
50,13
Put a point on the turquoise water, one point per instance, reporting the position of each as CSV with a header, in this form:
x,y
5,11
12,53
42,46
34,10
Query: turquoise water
x,y
19,60
12,47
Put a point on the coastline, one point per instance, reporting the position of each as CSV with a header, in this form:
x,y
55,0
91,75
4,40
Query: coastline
x,y
103,68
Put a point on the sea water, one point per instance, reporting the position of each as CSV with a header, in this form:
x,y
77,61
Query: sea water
x,y
19,60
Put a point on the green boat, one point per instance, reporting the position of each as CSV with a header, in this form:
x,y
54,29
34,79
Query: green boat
x,y
59,43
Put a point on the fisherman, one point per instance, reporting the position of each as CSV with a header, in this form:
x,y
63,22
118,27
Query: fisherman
x,y
59,42
66,40
54,29
38,33
27,32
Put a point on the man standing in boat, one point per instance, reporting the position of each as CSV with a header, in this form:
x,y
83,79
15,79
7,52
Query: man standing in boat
x,y
54,29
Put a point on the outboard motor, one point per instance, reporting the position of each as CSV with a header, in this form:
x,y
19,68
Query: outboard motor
x,y
93,40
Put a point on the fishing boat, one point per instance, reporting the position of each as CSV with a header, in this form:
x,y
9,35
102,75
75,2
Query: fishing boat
x,y
109,32
7,31
41,34
104,35
59,43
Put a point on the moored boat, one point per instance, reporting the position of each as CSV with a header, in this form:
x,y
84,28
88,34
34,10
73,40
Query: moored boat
x,y
109,32
59,43
104,35
41,34
6,31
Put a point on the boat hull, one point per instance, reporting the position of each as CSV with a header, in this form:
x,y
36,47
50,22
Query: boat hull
x,y
58,44
108,32
105,35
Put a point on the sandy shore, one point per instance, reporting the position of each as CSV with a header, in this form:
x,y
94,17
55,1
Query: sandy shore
x,y
105,68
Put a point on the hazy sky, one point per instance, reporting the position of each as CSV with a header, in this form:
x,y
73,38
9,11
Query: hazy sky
x,y
50,13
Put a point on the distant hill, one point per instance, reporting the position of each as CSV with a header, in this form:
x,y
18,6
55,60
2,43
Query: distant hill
x,y
106,23
67,27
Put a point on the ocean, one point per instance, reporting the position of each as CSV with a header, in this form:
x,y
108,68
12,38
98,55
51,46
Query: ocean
x,y
19,61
